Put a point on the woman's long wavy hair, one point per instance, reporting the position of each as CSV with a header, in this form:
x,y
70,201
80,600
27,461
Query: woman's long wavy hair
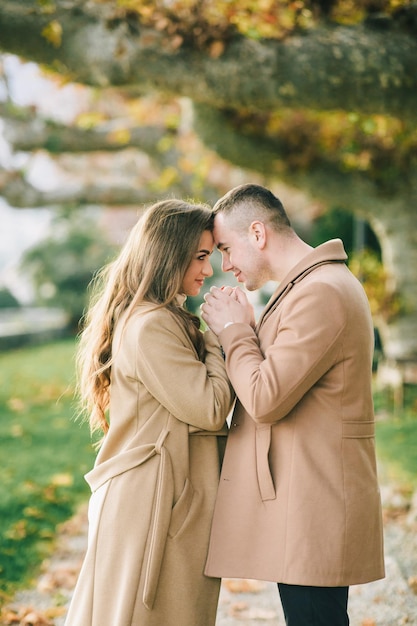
x,y
150,268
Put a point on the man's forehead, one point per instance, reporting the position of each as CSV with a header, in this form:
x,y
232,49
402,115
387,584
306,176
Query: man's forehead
x,y
220,232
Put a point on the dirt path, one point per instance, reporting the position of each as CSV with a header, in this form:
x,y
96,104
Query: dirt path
x,y
390,602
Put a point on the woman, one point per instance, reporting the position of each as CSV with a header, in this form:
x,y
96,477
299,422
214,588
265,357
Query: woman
x,y
143,359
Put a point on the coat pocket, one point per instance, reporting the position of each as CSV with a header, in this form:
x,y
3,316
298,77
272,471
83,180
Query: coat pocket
x,y
263,471
181,509
358,429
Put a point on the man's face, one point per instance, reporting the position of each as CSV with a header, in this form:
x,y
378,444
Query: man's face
x,y
240,254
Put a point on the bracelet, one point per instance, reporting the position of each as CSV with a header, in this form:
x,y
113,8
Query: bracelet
x,y
228,324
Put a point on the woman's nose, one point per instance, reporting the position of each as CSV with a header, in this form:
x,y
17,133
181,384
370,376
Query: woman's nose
x,y
208,269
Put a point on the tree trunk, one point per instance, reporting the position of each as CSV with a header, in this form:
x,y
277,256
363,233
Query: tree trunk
x,y
397,233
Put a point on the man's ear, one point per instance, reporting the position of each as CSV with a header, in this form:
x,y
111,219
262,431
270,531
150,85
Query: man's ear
x,y
257,231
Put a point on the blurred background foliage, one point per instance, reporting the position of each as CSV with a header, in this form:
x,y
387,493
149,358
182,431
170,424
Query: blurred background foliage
x,y
62,265
205,22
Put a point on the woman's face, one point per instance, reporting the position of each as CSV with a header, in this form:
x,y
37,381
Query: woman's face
x,y
200,267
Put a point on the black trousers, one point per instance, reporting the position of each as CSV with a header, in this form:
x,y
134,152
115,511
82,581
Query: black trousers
x,y
314,606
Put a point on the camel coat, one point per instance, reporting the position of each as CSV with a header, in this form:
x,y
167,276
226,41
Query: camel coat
x,y
298,499
154,481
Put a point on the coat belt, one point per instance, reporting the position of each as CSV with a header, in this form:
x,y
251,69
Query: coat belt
x,y
162,506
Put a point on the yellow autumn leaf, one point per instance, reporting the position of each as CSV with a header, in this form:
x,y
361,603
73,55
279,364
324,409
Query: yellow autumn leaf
x,y
168,177
16,404
62,480
89,120
53,33
119,136
243,585
33,511
17,531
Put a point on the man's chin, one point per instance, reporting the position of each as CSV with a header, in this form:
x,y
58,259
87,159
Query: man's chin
x,y
242,281
249,286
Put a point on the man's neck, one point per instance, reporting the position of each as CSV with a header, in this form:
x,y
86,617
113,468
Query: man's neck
x,y
286,253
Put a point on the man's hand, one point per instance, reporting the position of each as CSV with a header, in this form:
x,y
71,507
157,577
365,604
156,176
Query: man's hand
x,y
226,305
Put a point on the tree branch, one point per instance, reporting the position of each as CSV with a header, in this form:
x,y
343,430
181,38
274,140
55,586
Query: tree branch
x,y
26,131
19,193
359,68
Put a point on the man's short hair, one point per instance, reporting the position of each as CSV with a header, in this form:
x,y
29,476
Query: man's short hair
x,y
250,202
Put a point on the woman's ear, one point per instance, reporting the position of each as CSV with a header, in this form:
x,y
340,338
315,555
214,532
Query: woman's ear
x,y
257,231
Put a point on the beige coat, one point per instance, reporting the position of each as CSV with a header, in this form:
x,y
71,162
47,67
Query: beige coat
x,y
154,482
298,499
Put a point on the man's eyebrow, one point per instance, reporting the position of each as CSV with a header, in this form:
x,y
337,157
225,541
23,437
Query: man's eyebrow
x,y
220,245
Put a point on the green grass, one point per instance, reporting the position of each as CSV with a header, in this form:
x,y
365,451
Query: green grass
x,y
396,435
44,454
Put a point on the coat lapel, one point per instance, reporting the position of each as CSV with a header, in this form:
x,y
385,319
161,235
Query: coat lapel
x,y
329,252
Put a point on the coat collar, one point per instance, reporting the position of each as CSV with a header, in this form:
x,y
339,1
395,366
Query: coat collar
x,y
329,252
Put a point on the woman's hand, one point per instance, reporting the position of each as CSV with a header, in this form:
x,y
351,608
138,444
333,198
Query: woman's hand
x,y
226,305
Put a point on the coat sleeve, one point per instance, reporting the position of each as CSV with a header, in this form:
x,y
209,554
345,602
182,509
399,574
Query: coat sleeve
x,y
308,343
196,393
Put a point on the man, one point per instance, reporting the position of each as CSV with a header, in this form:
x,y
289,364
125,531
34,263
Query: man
x,y
298,500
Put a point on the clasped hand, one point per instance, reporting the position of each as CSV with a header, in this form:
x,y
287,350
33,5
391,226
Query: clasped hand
x,y
226,304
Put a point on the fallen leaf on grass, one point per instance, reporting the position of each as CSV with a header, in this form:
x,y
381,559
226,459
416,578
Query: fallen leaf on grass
x,y
62,480
241,611
412,583
237,607
17,430
55,611
24,617
8,617
243,585
76,524
59,578
16,404
35,619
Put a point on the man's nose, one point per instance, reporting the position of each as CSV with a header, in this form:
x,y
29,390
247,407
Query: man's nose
x,y
226,265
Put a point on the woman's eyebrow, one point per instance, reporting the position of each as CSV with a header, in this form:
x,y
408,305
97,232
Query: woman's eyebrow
x,y
203,252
